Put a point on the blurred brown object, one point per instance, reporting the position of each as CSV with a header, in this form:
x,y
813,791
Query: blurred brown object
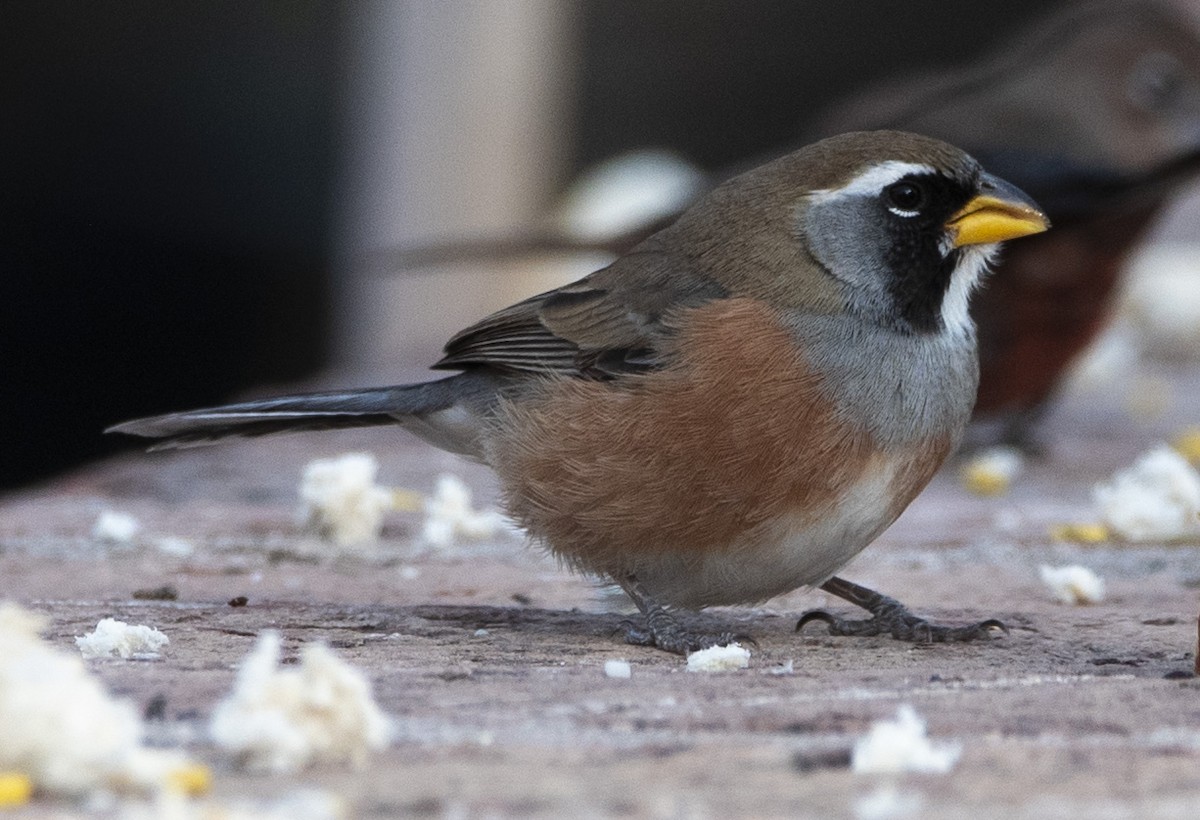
x,y
1095,112
1100,123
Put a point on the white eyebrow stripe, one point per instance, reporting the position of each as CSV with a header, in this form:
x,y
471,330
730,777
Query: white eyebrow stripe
x,y
874,179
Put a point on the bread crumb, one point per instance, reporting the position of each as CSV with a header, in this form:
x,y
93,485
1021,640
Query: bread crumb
x,y
341,499
1074,584
282,720
719,659
449,515
1161,298
992,471
172,545
618,669
1108,362
901,745
117,639
116,528
1157,499
61,729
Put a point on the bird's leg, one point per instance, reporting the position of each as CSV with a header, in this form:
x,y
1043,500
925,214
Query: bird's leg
x,y
889,616
661,629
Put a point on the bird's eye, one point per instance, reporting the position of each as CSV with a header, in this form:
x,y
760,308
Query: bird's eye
x,y
904,198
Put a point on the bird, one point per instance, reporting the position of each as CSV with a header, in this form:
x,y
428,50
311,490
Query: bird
x,y
1093,110
736,407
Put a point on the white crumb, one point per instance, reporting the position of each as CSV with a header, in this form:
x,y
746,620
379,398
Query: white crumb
x,y
1073,584
341,499
888,803
449,515
628,192
901,745
172,545
618,669
1157,499
719,659
788,667
114,527
60,726
285,719
1161,298
1110,360
992,471
116,639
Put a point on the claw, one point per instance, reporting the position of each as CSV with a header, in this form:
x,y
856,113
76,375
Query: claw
x,y
889,616
816,615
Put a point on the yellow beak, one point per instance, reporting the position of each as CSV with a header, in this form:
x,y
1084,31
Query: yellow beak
x,y
998,212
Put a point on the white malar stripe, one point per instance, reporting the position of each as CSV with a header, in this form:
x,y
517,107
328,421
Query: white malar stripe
x,y
973,263
873,180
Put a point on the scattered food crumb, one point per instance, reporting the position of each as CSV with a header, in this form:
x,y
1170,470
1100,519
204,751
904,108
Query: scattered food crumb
x,y
163,593
618,669
448,515
992,471
62,730
481,632
719,659
114,527
1161,298
1074,584
15,789
240,600
190,779
1109,361
1080,533
172,545
341,499
113,639
285,719
1158,498
901,745
788,667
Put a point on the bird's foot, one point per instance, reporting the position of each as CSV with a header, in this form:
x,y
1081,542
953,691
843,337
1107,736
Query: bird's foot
x,y
671,636
889,616
662,630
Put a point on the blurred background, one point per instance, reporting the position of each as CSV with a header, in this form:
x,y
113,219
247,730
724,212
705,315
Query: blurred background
x,y
199,200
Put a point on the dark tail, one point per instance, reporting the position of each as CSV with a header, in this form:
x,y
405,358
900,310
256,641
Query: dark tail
x,y
312,411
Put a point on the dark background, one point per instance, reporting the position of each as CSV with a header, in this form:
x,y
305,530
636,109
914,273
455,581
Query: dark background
x,y
168,173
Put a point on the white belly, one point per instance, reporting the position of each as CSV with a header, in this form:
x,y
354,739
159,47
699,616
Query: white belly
x,y
795,550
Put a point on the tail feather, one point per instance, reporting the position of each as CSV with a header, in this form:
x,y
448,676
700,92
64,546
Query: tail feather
x,y
312,411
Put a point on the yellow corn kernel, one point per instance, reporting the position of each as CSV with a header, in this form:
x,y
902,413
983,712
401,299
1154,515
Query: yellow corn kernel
x,y
192,779
15,789
1080,533
1187,444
